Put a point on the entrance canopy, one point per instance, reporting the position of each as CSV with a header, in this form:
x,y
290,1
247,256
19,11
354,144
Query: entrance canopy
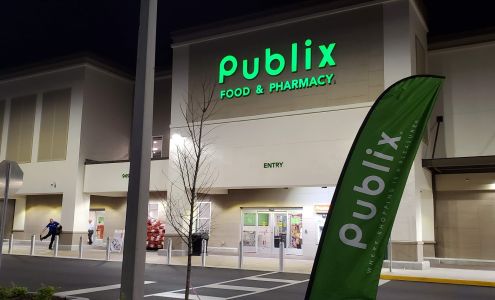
x,y
458,165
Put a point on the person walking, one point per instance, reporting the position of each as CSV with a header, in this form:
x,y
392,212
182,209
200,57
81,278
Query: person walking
x,y
91,230
53,230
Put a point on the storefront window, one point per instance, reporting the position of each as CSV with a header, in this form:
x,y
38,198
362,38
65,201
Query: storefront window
x,y
320,223
249,219
204,216
264,229
157,147
98,218
263,219
153,211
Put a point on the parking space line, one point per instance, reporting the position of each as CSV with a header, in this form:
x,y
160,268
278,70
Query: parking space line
x,y
191,296
272,279
270,289
236,287
95,289
206,285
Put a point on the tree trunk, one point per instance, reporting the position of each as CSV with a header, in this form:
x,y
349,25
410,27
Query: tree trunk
x,y
190,243
188,274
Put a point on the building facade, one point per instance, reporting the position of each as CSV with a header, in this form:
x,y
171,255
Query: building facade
x,y
293,90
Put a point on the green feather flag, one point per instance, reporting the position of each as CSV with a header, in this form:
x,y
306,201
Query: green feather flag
x,y
370,187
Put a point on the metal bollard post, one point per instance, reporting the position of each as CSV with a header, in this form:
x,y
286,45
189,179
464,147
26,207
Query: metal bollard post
x,y
11,243
281,257
55,251
80,247
203,253
169,251
33,241
108,248
241,256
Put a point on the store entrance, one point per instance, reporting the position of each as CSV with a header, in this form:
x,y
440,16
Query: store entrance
x,y
264,229
98,218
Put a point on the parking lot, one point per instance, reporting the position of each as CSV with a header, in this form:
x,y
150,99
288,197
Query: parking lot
x,y
93,279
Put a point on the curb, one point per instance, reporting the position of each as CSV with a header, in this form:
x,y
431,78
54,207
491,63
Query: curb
x,y
438,280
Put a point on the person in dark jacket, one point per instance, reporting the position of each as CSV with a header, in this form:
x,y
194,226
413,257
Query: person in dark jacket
x,y
53,230
91,231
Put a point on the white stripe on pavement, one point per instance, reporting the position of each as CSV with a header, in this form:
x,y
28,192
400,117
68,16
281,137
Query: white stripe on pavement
x,y
270,289
191,296
206,285
272,279
95,289
236,287
382,281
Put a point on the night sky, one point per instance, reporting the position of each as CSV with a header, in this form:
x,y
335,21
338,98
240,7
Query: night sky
x,y
42,30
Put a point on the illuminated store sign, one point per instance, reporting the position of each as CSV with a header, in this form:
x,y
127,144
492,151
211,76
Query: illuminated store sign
x,y
274,65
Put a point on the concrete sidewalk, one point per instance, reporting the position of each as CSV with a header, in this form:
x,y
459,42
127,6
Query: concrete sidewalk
x,y
443,275
466,275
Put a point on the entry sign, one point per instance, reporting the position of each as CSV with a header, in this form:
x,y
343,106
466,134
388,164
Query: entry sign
x,y
10,182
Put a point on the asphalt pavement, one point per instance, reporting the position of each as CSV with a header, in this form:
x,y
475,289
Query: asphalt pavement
x,y
100,280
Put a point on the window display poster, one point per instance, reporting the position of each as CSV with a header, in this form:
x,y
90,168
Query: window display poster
x,y
263,219
295,230
100,226
264,238
249,238
249,219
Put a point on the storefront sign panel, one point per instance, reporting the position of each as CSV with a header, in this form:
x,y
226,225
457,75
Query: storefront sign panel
x,y
327,61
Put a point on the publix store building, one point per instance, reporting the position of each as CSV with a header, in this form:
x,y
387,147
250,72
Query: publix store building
x,y
293,90
293,95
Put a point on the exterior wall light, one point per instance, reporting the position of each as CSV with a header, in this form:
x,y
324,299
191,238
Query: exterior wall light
x,y
176,137
176,140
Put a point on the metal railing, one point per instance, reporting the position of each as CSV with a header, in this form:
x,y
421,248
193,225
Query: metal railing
x,y
104,251
32,247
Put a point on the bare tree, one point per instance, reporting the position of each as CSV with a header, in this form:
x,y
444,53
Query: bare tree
x,y
190,156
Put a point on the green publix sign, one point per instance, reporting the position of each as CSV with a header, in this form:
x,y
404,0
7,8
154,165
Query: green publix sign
x,y
274,65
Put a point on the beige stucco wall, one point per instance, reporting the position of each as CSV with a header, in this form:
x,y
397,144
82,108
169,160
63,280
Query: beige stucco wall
x,y
108,178
39,210
465,215
466,100
465,223
106,120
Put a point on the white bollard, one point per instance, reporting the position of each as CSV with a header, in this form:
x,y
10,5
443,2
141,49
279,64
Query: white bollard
x,y
169,251
33,241
108,248
11,243
80,247
203,253
281,257
55,250
241,256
